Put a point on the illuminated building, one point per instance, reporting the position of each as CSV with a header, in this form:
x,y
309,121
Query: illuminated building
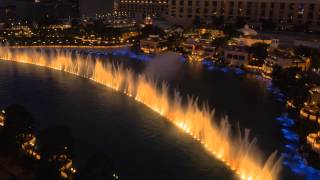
x,y
198,49
285,60
283,12
153,44
143,7
311,108
314,140
237,55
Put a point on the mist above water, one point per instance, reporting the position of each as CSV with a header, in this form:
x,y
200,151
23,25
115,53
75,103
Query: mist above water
x,y
163,66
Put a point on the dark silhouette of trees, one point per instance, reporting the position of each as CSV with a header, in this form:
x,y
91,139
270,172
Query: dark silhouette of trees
x,y
196,22
268,25
17,127
55,141
293,83
98,167
217,22
151,30
312,53
259,53
220,42
240,22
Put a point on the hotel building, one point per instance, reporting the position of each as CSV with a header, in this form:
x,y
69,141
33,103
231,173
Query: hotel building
x,y
143,7
286,13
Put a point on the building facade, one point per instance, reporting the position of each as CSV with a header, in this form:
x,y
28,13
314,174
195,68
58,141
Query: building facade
x,y
284,60
58,8
143,8
37,9
237,56
283,12
153,45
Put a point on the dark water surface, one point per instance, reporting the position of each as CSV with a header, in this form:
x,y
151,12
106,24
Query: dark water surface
x,y
142,144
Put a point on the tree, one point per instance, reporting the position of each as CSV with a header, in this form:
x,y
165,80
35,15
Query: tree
x,y
268,25
292,83
151,30
18,126
46,171
312,53
220,42
56,142
301,27
240,22
231,31
196,22
217,21
98,167
174,41
259,51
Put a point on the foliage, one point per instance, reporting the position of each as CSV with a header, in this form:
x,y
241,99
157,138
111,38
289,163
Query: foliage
x,y
98,167
55,140
151,30
174,41
268,25
47,171
301,28
309,52
231,31
292,83
259,51
240,22
17,126
220,42
217,21
197,22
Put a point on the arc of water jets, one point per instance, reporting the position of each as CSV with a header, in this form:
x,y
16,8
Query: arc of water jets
x,y
239,153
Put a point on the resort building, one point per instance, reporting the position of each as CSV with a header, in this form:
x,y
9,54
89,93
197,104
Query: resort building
x,y
58,8
284,60
311,108
286,13
198,48
313,139
314,43
142,8
237,56
153,44
250,36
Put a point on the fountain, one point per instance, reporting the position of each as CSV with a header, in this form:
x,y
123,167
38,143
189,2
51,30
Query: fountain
x,y
239,153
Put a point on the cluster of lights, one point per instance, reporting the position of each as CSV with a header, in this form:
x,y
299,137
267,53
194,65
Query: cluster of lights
x,y
142,1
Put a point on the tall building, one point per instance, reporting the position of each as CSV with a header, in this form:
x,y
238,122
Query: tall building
x,y
143,7
37,9
284,12
11,9
58,8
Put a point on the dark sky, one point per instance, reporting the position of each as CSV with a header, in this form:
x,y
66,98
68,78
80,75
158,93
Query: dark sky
x,y
90,7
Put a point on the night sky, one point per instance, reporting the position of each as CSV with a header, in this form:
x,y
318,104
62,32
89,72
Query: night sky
x,y
90,7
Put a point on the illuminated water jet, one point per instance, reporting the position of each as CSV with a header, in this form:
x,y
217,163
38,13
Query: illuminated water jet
x,y
240,153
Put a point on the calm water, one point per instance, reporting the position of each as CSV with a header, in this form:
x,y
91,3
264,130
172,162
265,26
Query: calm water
x,y
140,142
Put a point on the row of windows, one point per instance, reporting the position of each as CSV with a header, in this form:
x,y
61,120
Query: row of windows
x,y
291,6
247,12
250,12
280,20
